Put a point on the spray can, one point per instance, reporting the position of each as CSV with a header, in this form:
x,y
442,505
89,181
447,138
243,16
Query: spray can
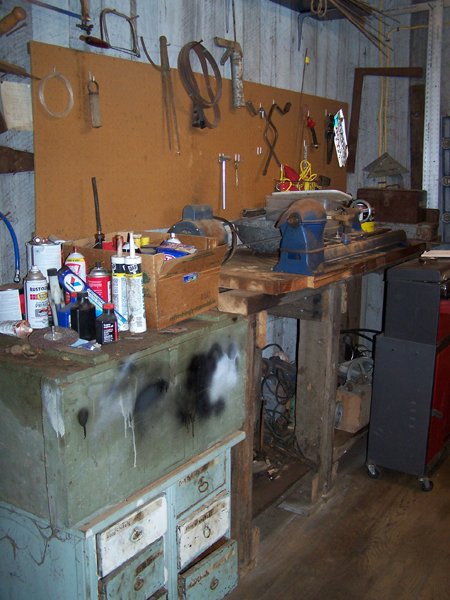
x,y
36,298
135,291
99,280
76,263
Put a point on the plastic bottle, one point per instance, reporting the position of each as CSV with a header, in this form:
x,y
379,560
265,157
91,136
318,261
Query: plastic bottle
x,y
55,294
82,317
135,291
119,288
106,331
36,299
76,263
63,311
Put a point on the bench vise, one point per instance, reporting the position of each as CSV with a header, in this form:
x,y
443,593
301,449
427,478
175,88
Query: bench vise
x,y
302,238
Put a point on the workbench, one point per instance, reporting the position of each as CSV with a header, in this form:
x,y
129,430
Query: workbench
x,y
116,464
324,305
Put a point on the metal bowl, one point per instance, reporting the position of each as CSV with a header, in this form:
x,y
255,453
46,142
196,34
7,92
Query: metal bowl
x,y
259,234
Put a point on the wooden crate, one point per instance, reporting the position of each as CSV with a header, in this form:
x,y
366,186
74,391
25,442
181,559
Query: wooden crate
x,y
396,206
174,290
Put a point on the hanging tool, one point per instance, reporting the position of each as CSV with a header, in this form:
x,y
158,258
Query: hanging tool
x,y
167,91
223,162
310,124
84,17
237,162
131,22
234,53
271,134
6,67
189,81
94,101
9,21
99,236
329,136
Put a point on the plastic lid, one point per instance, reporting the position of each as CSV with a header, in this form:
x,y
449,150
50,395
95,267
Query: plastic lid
x,y
108,306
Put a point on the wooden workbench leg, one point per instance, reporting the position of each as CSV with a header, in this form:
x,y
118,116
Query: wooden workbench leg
x,y
242,461
316,388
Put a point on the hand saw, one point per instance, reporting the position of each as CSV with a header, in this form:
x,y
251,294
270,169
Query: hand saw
x,y
84,17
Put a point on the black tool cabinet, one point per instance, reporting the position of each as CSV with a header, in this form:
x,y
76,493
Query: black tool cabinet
x,y
410,412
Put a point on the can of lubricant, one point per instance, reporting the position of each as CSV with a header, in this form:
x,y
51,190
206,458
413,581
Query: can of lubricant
x,y
99,280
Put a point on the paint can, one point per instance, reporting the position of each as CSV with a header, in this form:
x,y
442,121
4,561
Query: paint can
x,y
43,254
99,280
119,289
36,298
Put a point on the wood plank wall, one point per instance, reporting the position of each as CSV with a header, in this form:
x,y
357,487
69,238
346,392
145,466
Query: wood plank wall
x,y
275,42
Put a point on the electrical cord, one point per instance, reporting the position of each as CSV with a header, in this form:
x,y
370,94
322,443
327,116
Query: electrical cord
x,y
15,245
234,237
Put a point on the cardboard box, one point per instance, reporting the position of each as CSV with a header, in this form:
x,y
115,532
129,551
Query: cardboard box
x,y
354,407
394,205
174,290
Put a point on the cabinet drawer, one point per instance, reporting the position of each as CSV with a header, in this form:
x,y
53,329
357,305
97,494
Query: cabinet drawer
x,y
213,577
202,528
137,579
130,535
160,595
200,483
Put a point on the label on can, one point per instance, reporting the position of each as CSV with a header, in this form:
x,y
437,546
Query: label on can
x,y
101,284
36,303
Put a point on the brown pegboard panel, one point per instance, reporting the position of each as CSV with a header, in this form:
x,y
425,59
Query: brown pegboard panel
x,y
141,183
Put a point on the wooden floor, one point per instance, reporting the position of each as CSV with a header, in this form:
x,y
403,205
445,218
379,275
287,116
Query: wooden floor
x,y
371,539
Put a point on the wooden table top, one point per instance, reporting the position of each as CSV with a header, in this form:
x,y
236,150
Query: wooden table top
x,y
253,273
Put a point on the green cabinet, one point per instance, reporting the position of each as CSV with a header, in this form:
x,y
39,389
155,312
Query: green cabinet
x,y
116,478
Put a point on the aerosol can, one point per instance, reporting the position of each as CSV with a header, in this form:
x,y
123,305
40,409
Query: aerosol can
x,y
36,298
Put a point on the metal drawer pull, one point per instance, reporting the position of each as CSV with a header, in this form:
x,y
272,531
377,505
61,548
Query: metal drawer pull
x,y
138,583
203,485
206,531
214,583
136,534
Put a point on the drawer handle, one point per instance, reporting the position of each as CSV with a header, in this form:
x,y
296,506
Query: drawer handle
x,y
214,583
203,485
138,583
136,534
206,531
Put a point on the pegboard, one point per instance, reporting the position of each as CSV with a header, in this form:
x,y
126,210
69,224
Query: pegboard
x,y
141,183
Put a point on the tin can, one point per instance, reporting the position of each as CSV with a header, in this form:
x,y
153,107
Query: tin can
x,y
36,299
43,254
99,280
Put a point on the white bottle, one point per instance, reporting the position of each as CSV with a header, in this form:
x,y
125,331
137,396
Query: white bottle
x,y
135,291
36,299
76,263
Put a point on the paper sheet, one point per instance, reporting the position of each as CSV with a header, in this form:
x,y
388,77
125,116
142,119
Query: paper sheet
x,y
16,105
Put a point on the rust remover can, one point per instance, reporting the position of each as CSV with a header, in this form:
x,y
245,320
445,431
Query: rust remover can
x,y
99,280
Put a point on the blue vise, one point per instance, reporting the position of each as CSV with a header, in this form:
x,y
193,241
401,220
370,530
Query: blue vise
x,y
302,241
